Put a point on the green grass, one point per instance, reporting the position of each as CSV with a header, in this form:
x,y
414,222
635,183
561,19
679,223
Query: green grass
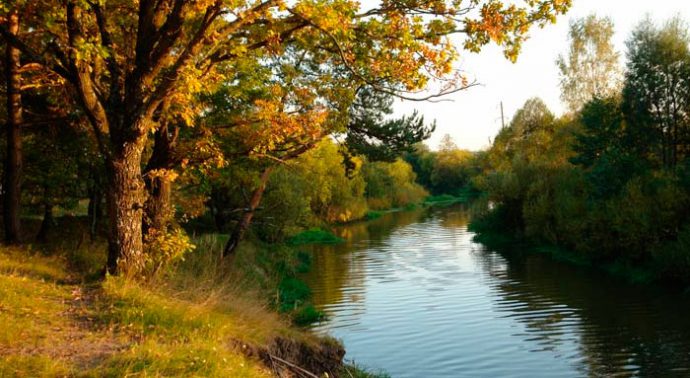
x,y
376,214
314,236
444,200
293,292
276,268
461,196
410,207
174,336
44,331
188,322
308,314
373,214
354,370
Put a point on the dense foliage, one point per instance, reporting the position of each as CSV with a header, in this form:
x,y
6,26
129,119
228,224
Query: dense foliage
x,y
448,170
611,181
179,106
316,189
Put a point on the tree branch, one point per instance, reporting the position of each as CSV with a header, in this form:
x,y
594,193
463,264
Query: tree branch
x,y
88,95
187,54
33,56
373,83
111,61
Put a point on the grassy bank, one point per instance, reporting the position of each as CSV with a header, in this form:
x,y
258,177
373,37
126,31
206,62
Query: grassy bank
x,y
204,317
55,325
430,201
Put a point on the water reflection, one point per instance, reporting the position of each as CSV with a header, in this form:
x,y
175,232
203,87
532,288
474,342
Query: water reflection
x,y
411,293
621,329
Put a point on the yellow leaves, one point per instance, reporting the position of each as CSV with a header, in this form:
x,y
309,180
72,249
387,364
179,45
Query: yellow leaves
x,y
345,216
493,22
167,174
208,155
334,16
200,6
273,42
507,25
163,248
282,119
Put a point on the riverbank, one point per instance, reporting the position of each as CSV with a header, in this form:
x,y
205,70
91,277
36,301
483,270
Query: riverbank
x,y
642,273
204,318
429,201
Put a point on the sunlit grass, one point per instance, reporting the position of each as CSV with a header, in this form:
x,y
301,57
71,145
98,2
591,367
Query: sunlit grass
x,y
190,322
34,313
32,366
185,358
23,262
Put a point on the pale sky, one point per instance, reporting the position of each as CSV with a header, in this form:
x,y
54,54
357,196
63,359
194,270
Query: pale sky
x,y
473,116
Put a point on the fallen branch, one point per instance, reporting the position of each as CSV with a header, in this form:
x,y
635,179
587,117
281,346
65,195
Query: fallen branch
x,y
290,364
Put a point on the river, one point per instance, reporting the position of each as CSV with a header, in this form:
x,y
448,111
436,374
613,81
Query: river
x,y
412,294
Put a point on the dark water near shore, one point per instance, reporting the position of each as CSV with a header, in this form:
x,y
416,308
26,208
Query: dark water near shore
x,y
411,293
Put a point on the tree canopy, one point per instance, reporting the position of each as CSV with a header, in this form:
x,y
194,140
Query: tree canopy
x,y
212,80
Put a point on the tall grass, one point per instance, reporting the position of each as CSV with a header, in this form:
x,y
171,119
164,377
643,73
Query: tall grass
x,y
191,320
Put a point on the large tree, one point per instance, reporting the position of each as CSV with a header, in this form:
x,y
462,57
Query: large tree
x,y
369,133
656,97
132,63
592,67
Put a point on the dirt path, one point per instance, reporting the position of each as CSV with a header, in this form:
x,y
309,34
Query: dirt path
x,y
53,322
85,341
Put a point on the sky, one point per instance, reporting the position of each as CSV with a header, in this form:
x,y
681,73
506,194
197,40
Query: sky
x,y
473,117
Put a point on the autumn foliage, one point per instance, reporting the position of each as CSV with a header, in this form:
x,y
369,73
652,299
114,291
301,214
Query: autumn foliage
x,y
168,91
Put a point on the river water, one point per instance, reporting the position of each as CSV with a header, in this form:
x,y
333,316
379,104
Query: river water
x,y
412,294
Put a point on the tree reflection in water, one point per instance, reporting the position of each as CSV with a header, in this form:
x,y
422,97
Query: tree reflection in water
x,y
414,284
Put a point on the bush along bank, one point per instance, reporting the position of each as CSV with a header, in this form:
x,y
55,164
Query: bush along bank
x,y
494,234
293,295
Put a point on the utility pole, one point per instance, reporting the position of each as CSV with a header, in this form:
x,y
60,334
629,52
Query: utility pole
x,y
503,121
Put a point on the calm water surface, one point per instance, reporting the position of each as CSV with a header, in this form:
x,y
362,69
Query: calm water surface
x,y
411,293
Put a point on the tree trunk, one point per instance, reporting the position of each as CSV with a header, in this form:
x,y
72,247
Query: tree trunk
x,y
159,211
95,211
46,224
13,159
125,210
246,220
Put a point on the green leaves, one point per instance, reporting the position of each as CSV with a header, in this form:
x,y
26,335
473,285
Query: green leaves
x,y
591,69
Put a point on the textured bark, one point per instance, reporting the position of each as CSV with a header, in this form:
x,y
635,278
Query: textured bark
x,y
159,211
13,158
125,210
242,226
